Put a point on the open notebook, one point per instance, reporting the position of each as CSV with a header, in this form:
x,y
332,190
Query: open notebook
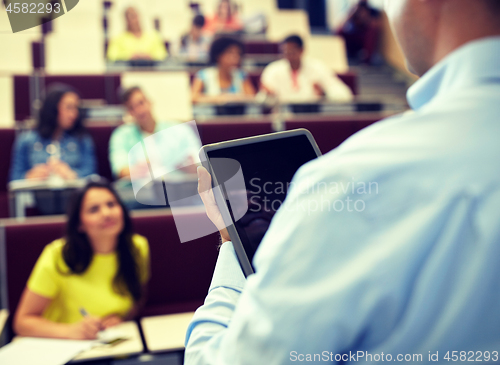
x,y
47,351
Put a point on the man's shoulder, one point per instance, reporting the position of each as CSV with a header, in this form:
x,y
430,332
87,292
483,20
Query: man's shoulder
x,y
165,124
426,145
124,130
362,144
124,136
275,66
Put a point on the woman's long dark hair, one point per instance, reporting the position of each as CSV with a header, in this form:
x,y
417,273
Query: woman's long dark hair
x,y
47,119
78,253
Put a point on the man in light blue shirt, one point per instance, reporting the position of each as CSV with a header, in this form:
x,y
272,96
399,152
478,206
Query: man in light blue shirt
x,y
412,274
178,146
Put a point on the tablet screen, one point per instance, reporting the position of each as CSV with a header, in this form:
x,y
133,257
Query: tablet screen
x,y
268,168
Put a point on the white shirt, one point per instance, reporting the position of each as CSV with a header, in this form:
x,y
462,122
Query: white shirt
x,y
278,77
416,271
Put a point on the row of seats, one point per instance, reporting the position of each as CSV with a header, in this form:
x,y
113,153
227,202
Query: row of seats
x,y
81,54
180,272
75,44
169,91
174,17
329,132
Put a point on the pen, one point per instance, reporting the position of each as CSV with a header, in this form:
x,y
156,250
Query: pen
x,y
83,312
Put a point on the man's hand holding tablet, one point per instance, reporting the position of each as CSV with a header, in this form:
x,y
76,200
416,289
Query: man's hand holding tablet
x,y
251,177
207,196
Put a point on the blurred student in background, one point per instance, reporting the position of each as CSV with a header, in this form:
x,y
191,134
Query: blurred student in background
x,y
179,146
225,20
225,81
195,44
91,279
135,43
59,146
297,78
361,32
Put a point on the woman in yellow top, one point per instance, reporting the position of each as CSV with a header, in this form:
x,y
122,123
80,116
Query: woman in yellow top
x,y
90,280
135,43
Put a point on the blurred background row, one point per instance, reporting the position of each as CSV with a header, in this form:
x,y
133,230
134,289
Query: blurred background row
x,y
82,91
238,67
90,40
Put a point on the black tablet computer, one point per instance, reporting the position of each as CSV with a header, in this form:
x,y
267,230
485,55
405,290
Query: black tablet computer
x,y
250,178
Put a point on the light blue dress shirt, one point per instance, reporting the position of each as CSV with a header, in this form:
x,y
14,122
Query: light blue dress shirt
x,y
414,270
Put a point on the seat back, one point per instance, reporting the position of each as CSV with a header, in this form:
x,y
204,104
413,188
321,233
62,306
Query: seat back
x,y
213,132
330,133
101,135
16,53
6,102
287,22
7,137
330,50
74,53
169,92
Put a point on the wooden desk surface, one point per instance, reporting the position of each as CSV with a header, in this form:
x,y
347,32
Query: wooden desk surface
x,y
131,346
166,333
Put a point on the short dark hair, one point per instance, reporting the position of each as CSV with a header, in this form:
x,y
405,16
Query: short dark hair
x,y
295,39
199,21
127,93
220,45
47,118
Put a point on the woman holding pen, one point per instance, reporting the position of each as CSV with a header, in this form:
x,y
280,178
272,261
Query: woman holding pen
x,y
91,279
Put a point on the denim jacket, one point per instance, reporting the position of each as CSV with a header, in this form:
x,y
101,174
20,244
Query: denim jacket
x,y
31,149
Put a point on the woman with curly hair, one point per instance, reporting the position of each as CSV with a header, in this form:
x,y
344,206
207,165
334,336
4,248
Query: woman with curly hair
x,y
225,81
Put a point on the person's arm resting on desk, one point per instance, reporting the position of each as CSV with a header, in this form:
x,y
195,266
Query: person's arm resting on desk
x,y
334,88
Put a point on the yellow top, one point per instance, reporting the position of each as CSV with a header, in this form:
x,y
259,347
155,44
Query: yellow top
x,y
92,290
126,45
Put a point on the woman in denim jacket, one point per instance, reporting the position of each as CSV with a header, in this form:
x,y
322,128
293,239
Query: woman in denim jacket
x,y
59,146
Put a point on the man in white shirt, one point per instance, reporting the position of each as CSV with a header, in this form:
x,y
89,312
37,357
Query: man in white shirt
x,y
298,78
